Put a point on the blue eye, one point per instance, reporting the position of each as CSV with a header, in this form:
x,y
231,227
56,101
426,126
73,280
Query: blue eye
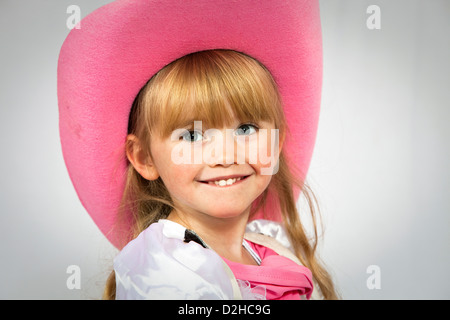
x,y
191,136
247,129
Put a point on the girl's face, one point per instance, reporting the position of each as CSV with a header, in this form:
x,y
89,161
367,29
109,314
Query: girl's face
x,y
217,172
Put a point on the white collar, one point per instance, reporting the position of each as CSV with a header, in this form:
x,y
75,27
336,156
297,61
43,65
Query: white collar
x,y
177,231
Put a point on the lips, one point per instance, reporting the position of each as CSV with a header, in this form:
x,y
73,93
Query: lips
x,y
224,181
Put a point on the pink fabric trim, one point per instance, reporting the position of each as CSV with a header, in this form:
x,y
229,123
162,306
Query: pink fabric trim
x,y
283,278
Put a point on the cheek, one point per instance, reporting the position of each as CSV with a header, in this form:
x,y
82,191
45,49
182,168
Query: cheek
x,y
263,152
263,182
166,160
178,179
174,174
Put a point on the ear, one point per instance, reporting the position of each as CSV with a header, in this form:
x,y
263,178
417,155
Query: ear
x,y
142,163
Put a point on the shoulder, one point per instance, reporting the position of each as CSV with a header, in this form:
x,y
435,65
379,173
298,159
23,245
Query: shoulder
x,y
271,229
273,235
156,238
158,264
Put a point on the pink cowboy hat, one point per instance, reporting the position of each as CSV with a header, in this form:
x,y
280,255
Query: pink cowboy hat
x,y
120,46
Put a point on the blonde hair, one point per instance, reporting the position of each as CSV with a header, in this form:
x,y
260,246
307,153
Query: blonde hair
x,y
195,87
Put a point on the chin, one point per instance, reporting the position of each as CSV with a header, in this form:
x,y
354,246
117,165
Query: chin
x,y
226,213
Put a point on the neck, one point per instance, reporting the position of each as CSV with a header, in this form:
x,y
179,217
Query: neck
x,y
223,235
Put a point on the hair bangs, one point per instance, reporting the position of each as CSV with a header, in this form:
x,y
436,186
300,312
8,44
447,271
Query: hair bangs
x,y
214,87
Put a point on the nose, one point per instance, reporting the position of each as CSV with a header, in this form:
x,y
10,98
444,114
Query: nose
x,y
221,149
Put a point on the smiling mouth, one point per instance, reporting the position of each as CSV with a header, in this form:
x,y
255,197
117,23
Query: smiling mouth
x,y
225,182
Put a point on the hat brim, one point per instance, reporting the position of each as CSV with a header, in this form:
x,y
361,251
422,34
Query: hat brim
x,y
120,46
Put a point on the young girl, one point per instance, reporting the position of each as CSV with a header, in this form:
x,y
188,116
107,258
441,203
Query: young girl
x,y
174,204
212,155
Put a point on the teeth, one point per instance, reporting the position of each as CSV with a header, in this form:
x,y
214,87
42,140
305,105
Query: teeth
x,y
229,182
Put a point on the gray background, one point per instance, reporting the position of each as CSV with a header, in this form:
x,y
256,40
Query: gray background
x,y
380,168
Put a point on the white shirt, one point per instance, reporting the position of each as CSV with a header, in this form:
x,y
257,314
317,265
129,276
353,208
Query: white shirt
x,y
159,264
